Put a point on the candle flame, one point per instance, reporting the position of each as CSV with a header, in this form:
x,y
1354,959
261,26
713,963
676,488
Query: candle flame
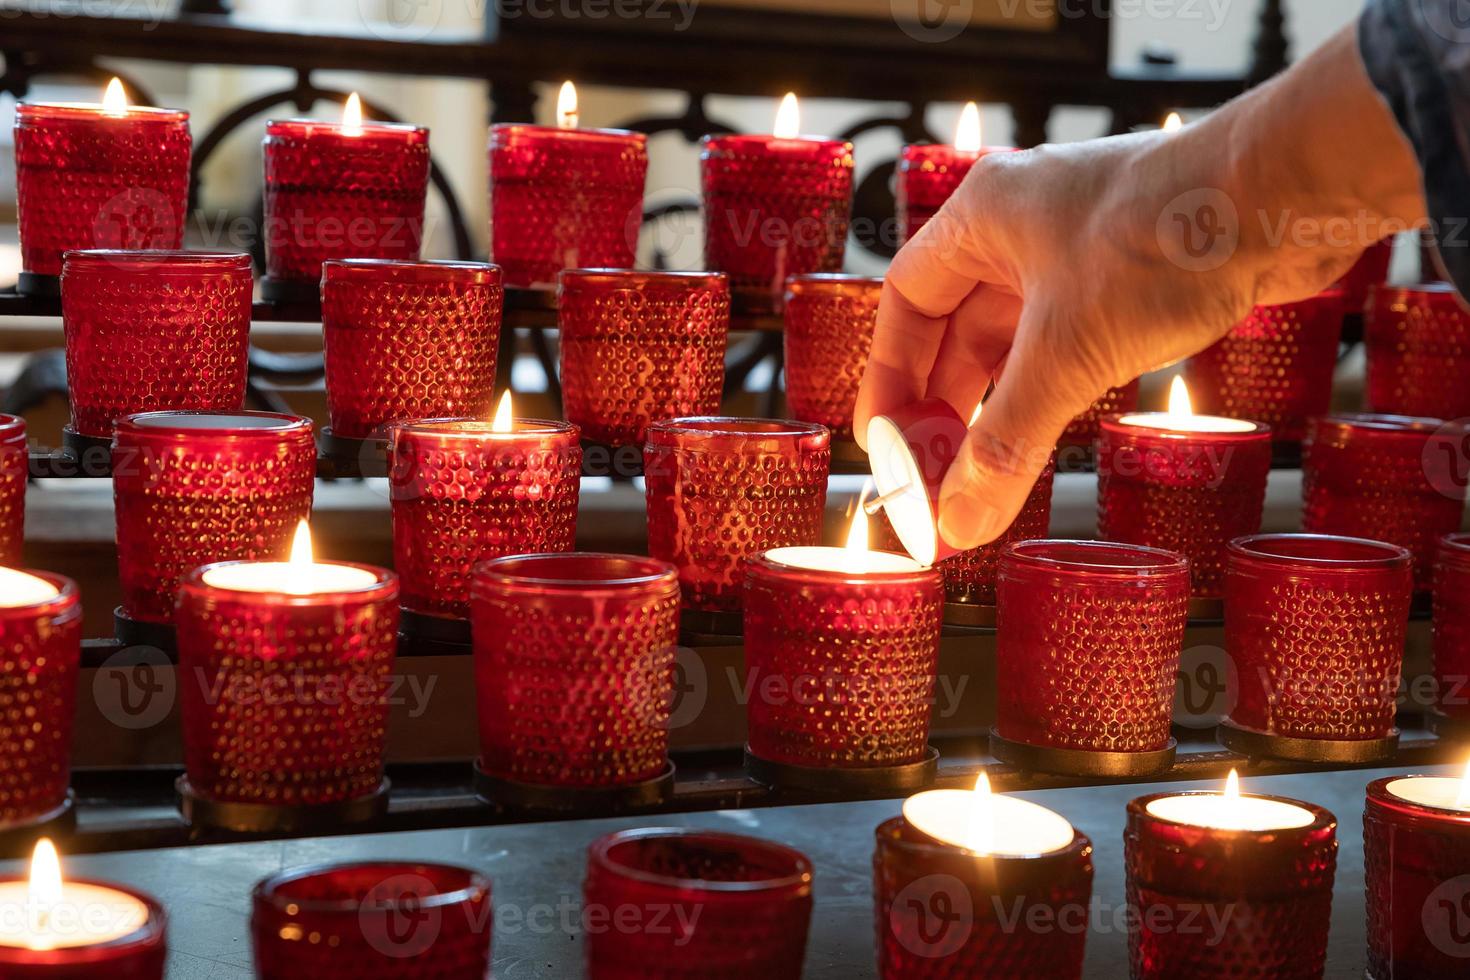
x,y
1180,405
566,106
967,132
981,837
504,415
1173,123
115,100
352,116
857,532
298,566
43,893
975,415
788,118
1463,800
1232,786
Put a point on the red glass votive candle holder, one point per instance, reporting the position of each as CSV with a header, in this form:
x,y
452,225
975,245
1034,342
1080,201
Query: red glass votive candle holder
x,y
154,331
334,193
408,340
1418,344
463,492
574,676
637,347
829,329
192,488
928,174
1315,627
1452,634
1273,367
85,178
1187,484
723,489
1258,869
125,933
740,907
841,658
380,919
1370,272
1082,430
774,207
564,199
14,472
1416,862
1386,478
1088,642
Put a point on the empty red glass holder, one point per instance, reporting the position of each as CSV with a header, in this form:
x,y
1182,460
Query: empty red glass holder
x,y
1314,628
564,199
331,195
1088,642
408,340
370,920
945,913
574,674
463,493
14,472
1082,430
723,489
1452,630
1418,344
1187,492
1416,866
286,708
153,331
1262,900
928,174
736,907
1370,272
1273,367
85,179
637,347
774,208
841,670
192,488
139,955
829,329
1386,478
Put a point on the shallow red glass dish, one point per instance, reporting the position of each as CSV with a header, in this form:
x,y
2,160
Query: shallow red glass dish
x,y
1452,628
1269,891
140,955
154,331
638,347
330,195
14,472
1418,343
928,174
574,667
408,340
1082,430
829,323
774,208
1386,478
738,907
371,920
84,179
723,489
564,199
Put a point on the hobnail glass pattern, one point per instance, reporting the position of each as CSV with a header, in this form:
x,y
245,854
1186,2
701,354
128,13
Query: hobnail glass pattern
x,y
829,330
1418,344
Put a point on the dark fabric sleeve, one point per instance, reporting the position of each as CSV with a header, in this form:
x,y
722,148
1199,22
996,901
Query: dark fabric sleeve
x,y
1417,53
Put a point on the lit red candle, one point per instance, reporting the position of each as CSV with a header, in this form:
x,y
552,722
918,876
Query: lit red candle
x,y
928,173
1418,343
14,474
106,175
829,322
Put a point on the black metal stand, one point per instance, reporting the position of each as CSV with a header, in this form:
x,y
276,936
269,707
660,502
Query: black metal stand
x,y
1260,745
355,457
264,818
139,633
17,839
86,447
969,614
1206,609
289,290
34,284
434,629
874,781
535,798
1081,762
703,623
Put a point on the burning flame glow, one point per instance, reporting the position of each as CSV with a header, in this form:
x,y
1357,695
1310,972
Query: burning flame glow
x,y
115,100
981,837
504,415
1173,123
1179,404
43,892
1463,800
975,415
857,532
298,566
788,118
967,132
566,106
352,116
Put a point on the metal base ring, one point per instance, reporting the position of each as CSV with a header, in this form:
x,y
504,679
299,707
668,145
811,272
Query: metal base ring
x,y
1081,762
36,284
267,818
141,633
969,614
706,623
447,630
1261,745
536,798
1206,609
17,839
868,781
293,291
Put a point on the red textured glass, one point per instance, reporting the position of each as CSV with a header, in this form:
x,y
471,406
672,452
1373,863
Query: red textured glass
x,y
1082,430
774,207
564,199
84,179
1274,367
1387,478
192,488
139,955
463,493
829,330
1268,892
637,347
738,907
14,472
1418,344
723,489
332,653
841,667
574,667
150,331
944,913
1452,626
1087,646
329,195
40,652
1315,628
1416,865
373,921
928,174
1187,492
1370,272
408,340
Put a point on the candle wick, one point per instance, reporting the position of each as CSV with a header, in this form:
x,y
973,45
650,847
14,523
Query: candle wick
x,y
871,507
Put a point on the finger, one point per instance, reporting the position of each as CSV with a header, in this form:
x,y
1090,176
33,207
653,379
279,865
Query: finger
x,y
980,333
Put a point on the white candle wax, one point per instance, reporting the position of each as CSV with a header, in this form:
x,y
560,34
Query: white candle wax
x,y
900,483
1441,792
22,589
1168,422
83,915
1222,812
988,823
290,578
843,560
